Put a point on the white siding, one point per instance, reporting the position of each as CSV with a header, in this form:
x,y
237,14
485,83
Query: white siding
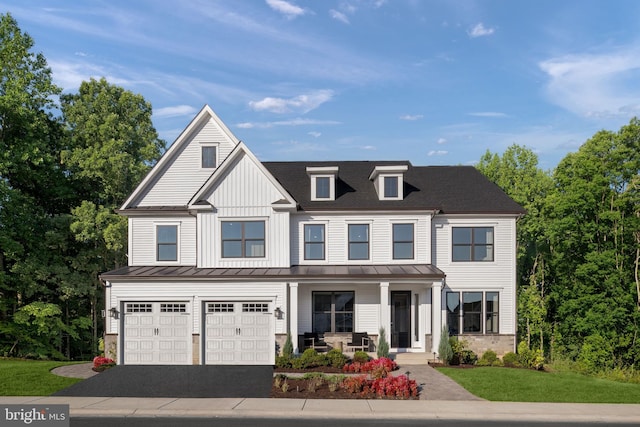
x,y
380,235
498,275
184,176
143,239
244,193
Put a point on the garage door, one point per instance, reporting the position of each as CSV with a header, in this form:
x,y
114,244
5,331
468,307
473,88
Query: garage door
x,y
157,333
239,333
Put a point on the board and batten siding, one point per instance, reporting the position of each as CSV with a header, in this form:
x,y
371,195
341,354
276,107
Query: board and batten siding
x,y
380,235
182,177
142,239
498,275
196,293
244,194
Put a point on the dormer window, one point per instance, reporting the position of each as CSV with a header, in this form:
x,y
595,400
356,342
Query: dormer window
x,y
323,182
389,182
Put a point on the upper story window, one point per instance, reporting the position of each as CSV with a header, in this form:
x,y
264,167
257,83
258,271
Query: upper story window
x,y
389,181
243,239
466,316
314,242
323,182
403,241
209,156
358,241
472,244
166,242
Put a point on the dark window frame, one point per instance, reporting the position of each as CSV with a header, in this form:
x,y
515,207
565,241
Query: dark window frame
x,y
458,317
309,243
206,160
332,312
396,241
353,244
319,187
391,191
168,244
245,252
472,245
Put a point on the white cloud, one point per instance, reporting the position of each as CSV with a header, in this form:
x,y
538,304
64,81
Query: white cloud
x,y
301,103
437,153
315,134
442,141
175,111
411,117
479,31
339,16
292,122
597,85
488,114
288,9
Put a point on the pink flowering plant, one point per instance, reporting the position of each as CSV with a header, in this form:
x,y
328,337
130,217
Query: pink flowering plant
x,y
100,363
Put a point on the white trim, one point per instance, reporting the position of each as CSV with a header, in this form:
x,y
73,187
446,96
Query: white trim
x,y
413,222
217,156
218,225
368,260
178,225
301,249
332,188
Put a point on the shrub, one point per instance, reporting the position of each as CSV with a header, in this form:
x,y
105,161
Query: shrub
x,y
400,387
383,344
378,368
461,354
360,356
444,348
100,363
279,379
284,362
527,358
336,358
355,384
309,359
510,360
489,358
287,350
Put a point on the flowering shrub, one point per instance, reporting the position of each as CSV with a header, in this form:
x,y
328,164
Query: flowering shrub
x,y
355,384
399,387
100,363
378,368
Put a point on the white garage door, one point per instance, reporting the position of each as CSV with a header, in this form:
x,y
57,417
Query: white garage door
x,y
239,333
157,333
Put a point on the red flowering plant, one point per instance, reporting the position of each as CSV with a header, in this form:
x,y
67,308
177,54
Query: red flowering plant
x,y
400,387
378,368
100,363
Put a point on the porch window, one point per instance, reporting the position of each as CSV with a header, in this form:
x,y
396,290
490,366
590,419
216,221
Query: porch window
x,y
464,315
472,244
314,241
243,239
167,242
402,241
333,311
358,241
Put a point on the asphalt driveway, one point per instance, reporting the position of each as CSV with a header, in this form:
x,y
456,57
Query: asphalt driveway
x,y
176,381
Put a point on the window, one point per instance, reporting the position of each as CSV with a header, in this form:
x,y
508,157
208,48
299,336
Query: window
x,y
402,241
173,308
323,187
167,242
390,187
314,241
333,311
358,241
472,244
255,307
139,308
243,239
467,317
220,307
209,156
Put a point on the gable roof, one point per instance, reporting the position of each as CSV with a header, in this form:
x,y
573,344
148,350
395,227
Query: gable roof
x,y
205,114
447,189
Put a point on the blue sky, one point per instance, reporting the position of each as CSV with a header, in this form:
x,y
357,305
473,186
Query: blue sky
x,y
434,82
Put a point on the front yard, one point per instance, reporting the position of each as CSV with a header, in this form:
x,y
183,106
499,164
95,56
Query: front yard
x,y
20,377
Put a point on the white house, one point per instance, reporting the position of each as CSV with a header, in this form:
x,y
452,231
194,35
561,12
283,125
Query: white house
x,y
228,254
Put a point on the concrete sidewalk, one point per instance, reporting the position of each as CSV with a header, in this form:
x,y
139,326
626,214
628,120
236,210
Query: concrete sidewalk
x,y
337,409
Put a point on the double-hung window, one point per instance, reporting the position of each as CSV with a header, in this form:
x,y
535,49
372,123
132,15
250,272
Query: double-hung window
x,y
209,156
243,239
465,315
358,241
390,187
166,242
323,187
314,242
403,241
472,244
333,311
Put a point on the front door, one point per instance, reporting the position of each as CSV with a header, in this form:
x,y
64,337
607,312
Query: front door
x,y
400,319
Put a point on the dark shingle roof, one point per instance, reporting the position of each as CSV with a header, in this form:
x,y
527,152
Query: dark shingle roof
x,y
449,189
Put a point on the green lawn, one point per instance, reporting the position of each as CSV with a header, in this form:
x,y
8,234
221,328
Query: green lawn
x,y
524,385
31,377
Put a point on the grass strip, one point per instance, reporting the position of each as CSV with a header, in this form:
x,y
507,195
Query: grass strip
x,y
31,377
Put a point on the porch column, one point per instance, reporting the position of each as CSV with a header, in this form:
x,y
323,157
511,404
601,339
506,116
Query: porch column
x,y
385,309
436,315
293,315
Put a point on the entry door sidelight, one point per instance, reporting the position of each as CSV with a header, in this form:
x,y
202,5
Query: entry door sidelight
x,y
400,319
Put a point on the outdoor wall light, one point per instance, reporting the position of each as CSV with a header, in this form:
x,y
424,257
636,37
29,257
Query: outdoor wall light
x,y
113,312
278,313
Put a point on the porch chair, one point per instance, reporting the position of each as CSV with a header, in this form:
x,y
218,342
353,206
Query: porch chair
x,y
315,341
359,341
